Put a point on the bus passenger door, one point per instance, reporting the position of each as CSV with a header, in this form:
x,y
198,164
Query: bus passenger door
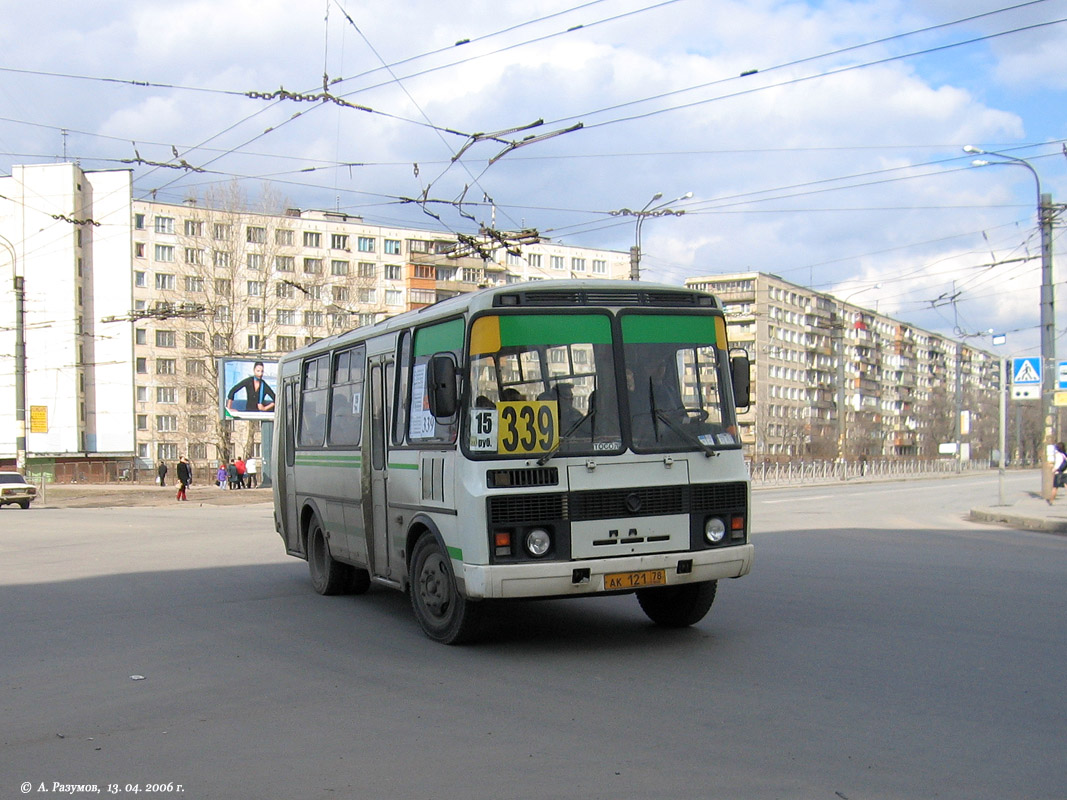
x,y
377,527
285,479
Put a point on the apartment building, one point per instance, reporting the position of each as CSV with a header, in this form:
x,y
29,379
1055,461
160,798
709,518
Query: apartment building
x,y
130,303
813,354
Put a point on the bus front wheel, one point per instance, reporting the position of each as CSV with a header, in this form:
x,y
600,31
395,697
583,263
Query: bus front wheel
x,y
678,606
443,613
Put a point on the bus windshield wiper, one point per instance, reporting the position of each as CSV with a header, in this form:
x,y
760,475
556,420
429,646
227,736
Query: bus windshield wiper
x,y
565,437
709,451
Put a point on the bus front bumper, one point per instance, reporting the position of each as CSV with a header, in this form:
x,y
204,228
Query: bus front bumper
x,y
575,578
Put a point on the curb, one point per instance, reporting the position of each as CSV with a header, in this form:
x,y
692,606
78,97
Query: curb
x,y
1020,521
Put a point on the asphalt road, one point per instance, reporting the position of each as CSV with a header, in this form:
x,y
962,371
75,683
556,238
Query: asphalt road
x,y
883,647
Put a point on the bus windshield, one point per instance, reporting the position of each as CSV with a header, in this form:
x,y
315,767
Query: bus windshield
x,y
676,374
545,384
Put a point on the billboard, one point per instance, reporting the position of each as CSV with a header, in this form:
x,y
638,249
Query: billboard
x,y
246,388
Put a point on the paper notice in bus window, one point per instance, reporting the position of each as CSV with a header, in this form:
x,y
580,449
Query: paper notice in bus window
x,y
421,425
483,430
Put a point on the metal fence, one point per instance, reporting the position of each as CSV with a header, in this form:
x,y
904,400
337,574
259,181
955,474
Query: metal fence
x,y
803,472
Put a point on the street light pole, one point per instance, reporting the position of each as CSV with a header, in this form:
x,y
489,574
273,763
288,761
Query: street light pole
x,y
649,210
1045,213
19,285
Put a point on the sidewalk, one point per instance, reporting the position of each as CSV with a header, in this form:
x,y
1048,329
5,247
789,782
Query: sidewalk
x,y
1026,511
110,495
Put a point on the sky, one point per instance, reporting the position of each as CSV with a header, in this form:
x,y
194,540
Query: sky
x,y
820,141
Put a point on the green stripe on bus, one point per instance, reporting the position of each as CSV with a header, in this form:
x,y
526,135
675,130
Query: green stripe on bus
x,y
403,466
667,329
447,336
456,553
554,329
329,461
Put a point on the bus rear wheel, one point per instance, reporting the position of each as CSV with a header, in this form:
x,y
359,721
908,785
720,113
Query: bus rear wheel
x,y
443,613
327,575
678,606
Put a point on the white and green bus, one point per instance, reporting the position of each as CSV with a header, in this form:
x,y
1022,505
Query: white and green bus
x,y
548,439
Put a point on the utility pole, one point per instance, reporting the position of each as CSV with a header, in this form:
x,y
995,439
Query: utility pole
x,y
20,373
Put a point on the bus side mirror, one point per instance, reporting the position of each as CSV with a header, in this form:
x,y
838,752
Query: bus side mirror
x,y
741,379
441,386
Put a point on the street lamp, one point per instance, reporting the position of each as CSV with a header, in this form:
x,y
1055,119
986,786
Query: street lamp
x,y
1048,312
650,210
20,360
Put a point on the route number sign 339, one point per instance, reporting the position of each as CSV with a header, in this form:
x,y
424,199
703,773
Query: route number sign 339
x,y
515,428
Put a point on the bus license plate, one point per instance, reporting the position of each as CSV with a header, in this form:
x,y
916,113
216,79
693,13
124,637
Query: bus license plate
x,y
635,580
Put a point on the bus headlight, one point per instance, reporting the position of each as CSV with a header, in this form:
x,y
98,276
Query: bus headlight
x,y
538,542
714,530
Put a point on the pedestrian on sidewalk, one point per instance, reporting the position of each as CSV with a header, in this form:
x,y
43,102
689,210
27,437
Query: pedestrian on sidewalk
x,y
240,464
231,474
161,473
220,475
185,477
1059,467
251,472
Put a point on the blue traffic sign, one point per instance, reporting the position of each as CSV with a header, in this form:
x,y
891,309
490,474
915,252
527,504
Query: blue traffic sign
x,y
1026,371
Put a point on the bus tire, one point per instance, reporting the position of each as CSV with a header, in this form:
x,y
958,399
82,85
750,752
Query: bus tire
x,y
358,580
444,615
327,576
678,606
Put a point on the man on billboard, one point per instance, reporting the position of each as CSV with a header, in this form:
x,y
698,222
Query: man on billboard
x,y
250,398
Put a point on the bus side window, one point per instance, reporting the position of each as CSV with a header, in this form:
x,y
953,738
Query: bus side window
x,y
346,403
313,397
400,399
289,420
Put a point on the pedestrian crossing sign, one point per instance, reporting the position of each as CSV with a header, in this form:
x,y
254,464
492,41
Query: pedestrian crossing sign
x,y
1026,371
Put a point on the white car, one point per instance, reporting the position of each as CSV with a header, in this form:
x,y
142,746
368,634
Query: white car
x,y
14,489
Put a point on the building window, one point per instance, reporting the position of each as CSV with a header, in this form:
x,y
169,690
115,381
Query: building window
x,y
284,237
166,423
556,262
167,451
164,224
195,366
533,259
166,339
393,272
140,279
600,267
142,366
286,343
312,239
340,294
220,342
254,261
394,297
365,244
166,366
221,259
222,314
255,316
223,286
255,234
366,269
285,263
471,275
138,249
165,252
286,316
194,255
194,397
578,264
142,422
391,247
138,221
220,230
140,336
339,241
312,319
198,423
255,288
164,281
195,340
256,342
368,296
423,296
198,451
284,290
339,267
166,394
142,394
194,227
425,271
313,266
418,246
194,283
339,319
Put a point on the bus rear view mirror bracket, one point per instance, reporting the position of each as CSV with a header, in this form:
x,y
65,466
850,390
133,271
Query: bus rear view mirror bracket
x,y
740,376
441,380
